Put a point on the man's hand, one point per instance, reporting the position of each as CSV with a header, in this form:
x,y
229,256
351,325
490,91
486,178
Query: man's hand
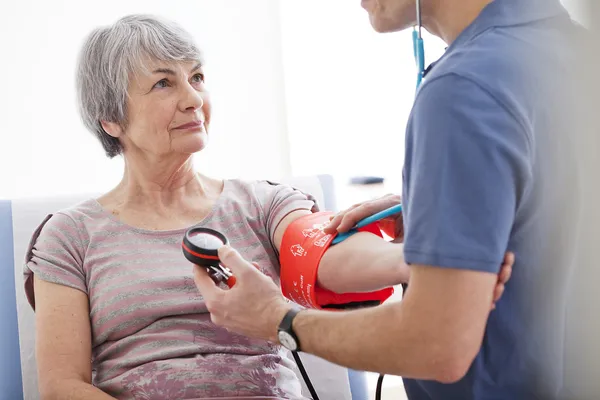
x,y
253,307
503,277
391,226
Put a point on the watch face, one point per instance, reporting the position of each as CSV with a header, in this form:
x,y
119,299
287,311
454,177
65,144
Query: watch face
x,y
287,341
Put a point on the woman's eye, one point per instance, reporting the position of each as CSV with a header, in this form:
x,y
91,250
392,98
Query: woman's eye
x,y
162,83
198,78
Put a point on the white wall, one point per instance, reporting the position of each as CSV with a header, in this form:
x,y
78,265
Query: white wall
x,y
44,148
341,91
348,89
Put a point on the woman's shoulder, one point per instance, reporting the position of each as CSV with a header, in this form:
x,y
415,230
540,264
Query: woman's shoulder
x,y
258,187
266,194
75,219
82,212
255,191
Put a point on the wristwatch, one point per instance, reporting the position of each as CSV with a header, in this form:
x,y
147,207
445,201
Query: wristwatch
x,y
285,332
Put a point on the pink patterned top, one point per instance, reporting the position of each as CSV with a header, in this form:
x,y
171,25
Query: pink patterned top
x,y
152,337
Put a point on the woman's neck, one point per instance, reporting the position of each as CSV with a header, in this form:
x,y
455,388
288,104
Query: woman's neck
x,y
160,185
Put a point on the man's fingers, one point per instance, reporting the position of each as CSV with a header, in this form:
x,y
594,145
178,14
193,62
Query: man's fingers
x,y
205,284
335,220
506,269
234,261
363,211
509,258
498,291
347,219
333,224
503,277
505,273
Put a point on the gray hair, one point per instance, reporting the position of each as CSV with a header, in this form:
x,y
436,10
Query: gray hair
x,y
111,55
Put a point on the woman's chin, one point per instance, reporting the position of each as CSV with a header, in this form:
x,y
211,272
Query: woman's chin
x,y
192,143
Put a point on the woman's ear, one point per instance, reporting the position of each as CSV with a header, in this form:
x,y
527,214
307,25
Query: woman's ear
x,y
112,128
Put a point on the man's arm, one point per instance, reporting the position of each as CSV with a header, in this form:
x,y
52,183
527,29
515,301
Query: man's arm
x,y
434,333
362,263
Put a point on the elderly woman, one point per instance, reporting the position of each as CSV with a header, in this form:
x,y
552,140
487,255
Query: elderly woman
x,y
117,311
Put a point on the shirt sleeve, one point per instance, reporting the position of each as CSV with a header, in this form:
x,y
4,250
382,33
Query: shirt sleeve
x,y
279,200
467,167
55,254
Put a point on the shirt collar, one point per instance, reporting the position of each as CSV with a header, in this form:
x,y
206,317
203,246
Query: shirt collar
x,y
502,13
506,13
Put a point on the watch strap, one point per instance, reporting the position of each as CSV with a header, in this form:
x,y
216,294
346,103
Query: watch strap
x,y
287,321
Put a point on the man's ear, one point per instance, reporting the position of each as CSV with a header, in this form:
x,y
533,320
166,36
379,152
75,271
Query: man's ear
x,y
112,128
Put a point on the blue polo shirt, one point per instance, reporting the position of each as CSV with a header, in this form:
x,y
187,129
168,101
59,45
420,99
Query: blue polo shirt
x,y
489,167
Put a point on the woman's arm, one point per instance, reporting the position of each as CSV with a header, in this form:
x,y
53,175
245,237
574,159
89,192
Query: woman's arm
x,y
362,263
63,343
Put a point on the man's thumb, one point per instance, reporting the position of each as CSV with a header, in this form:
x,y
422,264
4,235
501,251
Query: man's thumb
x,y
230,258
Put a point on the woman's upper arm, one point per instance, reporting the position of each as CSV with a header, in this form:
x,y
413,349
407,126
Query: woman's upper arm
x,y
282,204
285,222
63,335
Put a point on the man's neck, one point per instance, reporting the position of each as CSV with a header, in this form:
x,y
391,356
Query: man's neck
x,y
447,19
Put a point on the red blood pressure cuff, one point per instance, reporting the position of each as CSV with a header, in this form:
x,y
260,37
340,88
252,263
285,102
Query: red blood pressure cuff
x,y
302,247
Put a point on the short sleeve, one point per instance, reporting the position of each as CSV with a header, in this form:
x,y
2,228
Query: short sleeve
x,y
55,254
278,200
468,166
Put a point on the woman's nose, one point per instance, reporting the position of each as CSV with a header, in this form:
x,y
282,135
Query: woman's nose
x,y
192,99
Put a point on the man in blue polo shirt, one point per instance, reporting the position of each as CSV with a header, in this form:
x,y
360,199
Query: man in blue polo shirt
x,y
489,167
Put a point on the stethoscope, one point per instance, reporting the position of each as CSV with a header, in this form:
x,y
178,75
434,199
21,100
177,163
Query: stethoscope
x,y
418,46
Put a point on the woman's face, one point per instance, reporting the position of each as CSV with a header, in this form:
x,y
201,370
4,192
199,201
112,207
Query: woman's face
x,y
168,110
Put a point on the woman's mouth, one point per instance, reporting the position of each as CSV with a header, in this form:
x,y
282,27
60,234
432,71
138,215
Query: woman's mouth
x,y
191,125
